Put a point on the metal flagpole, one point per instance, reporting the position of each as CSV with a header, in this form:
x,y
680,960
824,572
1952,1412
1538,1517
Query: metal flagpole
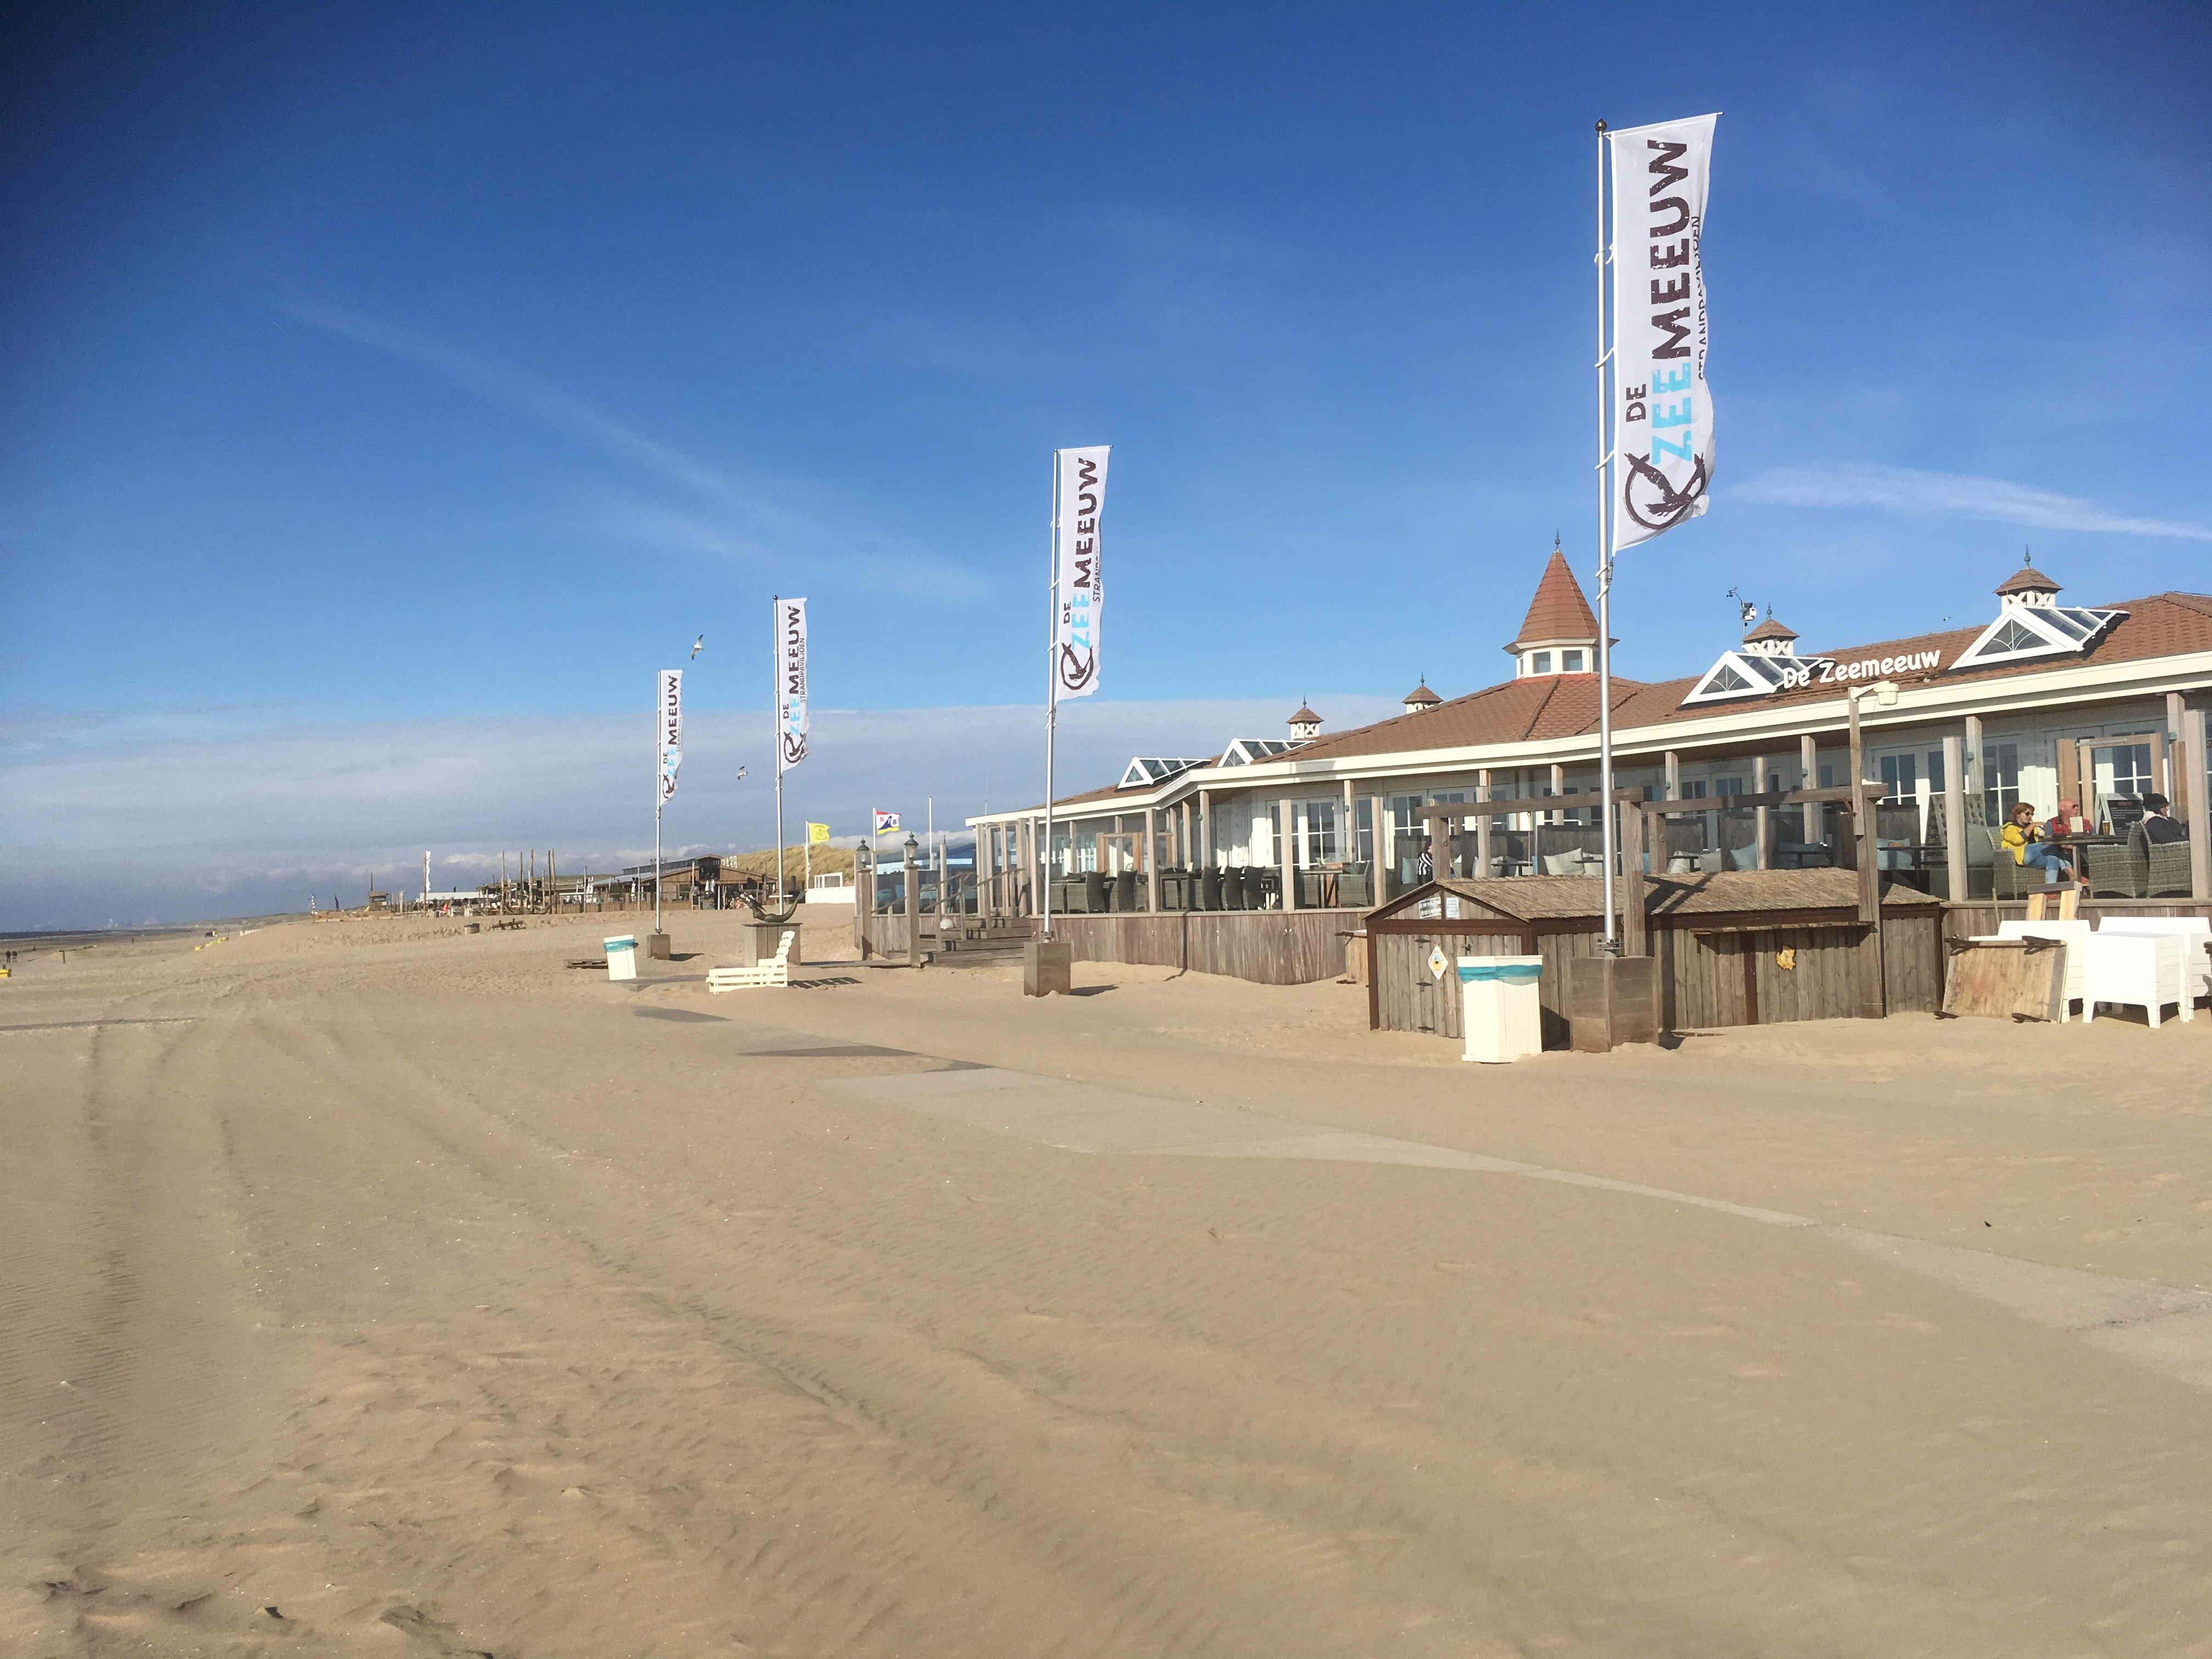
x,y
657,795
1051,687
1609,839
775,714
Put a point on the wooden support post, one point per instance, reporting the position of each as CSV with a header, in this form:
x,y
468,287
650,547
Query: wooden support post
x,y
1674,785
1955,821
1482,824
1759,860
1973,769
2193,755
1205,827
1288,810
1635,823
1151,862
1808,761
913,912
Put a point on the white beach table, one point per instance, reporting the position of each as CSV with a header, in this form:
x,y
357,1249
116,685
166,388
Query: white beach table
x,y
2194,933
2140,970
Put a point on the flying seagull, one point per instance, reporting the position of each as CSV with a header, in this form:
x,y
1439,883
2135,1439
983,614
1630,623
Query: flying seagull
x,y
696,643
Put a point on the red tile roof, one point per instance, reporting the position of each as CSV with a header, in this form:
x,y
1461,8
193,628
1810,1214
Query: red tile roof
x,y
2027,579
1565,705
1558,612
1770,629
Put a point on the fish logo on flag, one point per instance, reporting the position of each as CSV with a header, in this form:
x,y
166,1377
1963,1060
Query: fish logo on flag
x,y
1663,426
886,820
1078,568
791,682
671,730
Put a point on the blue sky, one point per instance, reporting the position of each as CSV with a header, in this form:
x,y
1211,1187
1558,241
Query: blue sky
x,y
405,369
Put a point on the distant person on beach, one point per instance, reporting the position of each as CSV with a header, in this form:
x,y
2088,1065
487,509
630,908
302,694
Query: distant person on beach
x,y
2024,839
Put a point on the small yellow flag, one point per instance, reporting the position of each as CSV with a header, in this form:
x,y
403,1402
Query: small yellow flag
x,y
816,832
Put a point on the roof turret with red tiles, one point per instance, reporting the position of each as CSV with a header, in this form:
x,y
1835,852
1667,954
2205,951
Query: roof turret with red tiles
x,y
2026,585
1558,614
1305,723
1420,697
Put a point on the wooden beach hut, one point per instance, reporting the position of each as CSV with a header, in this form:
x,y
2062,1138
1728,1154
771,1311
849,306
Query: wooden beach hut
x,y
1753,947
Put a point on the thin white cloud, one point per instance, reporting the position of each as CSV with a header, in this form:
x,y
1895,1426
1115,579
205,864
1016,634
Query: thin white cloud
x,y
1952,494
741,524
522,394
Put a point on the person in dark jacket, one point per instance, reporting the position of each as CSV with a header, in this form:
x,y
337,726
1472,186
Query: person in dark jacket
x,y
2158,827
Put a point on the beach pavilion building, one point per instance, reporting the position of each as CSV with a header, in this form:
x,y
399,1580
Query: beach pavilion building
x,y
1263,853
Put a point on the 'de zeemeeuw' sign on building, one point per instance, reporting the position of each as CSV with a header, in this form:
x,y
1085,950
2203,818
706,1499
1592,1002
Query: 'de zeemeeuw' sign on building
x,y
1663,424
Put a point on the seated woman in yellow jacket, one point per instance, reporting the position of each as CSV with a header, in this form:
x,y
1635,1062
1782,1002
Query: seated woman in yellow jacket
x,y
2024,839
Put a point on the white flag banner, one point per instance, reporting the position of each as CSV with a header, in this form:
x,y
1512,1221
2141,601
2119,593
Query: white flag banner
x,y
791,682
1076,567
671,729
1663,424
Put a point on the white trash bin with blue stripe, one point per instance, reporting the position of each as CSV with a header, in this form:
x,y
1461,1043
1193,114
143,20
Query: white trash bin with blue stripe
x,y
1498,1008
621,957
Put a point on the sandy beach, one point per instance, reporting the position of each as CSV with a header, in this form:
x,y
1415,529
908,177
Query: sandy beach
x,y
371,1287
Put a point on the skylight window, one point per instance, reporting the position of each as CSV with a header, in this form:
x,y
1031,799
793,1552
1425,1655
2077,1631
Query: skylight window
x,y
1145,770
1749,674
2027,631
1251,751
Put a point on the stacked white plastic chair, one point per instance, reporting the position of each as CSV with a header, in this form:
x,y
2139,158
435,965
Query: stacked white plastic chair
x,y
2194,933
2140,970
775,971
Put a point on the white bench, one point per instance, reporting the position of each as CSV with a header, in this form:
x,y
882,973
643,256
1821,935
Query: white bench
x,y
775,971
2141,971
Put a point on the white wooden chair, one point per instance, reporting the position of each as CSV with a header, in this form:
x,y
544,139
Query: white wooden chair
x,y
2075,933
775,971
2142,970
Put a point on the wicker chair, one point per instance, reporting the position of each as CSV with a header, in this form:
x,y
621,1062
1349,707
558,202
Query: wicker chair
x,y
2123,871
2166,874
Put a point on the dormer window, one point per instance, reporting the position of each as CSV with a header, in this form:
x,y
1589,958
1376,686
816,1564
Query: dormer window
x,y
1751,673
2033,628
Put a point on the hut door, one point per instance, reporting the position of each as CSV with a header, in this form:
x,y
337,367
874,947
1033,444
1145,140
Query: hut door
x,y
1712,987
1435,1002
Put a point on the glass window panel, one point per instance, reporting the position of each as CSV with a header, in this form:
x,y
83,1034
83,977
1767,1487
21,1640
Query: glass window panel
x,y
1571,662
1541,663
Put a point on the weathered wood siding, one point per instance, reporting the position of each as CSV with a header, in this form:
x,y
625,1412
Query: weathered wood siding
x,y
1269,947
1912,952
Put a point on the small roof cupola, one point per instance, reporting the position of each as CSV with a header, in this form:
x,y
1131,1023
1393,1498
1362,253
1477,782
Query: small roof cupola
x,y
1559,635
2028,585
1772,639
1420,698
1305,725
